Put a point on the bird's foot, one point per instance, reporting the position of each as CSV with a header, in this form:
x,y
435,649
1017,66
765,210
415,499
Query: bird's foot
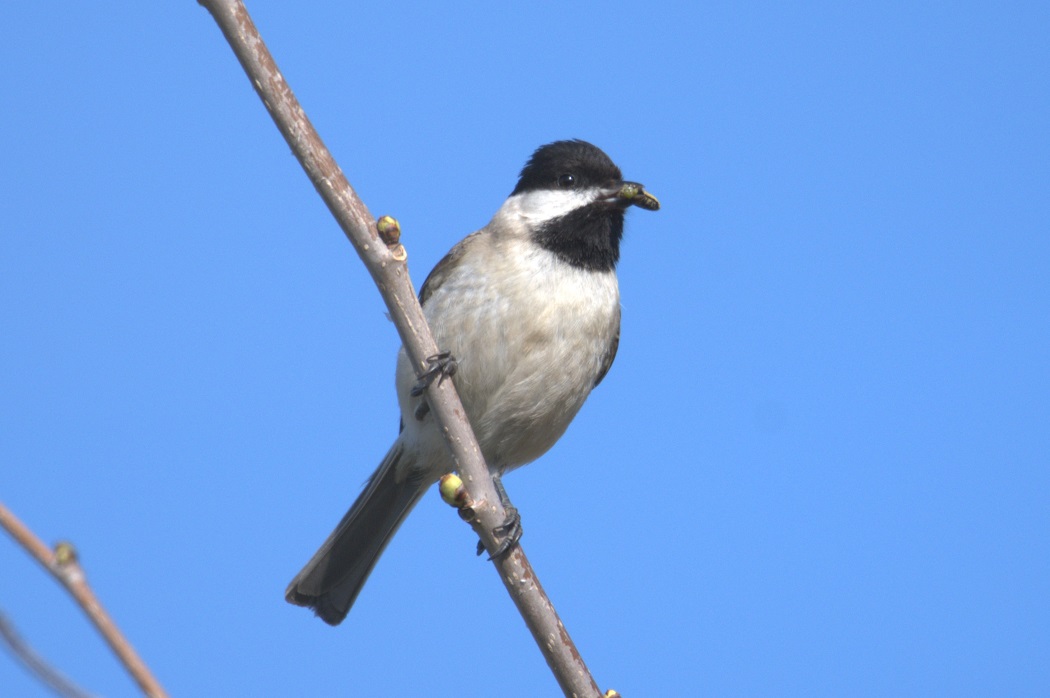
x,y
440,366
510,530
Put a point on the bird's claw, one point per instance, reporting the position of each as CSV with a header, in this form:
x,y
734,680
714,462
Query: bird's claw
x,y
509,532
440,366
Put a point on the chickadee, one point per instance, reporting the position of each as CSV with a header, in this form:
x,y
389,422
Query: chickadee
x,y
529,307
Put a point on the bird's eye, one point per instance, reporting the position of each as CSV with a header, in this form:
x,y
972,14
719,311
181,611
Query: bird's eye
x,y
567,181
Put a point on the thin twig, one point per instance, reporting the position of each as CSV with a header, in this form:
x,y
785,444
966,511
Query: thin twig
x,y
37,664
387,267
63,565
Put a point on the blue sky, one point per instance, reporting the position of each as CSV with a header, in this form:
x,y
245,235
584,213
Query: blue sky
x,y
819,466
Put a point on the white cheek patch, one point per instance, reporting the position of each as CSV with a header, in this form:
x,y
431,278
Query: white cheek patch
x,y
540,206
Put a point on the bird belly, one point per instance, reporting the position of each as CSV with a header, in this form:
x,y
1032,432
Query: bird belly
x,y
529,334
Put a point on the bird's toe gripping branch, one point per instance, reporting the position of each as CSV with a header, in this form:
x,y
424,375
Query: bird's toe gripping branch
x,y
456,495
509,532
440,367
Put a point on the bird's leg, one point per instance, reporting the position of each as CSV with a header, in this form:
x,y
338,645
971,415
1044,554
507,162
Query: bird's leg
x,y
510,530
441,366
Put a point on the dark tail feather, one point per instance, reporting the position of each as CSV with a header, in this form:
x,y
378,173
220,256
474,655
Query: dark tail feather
x,y
335,575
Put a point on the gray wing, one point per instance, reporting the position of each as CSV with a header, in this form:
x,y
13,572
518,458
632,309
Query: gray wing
x,y
442,269
433,282
610,352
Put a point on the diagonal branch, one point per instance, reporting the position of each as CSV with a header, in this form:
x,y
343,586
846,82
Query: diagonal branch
x,y
63,565
385,262
51,676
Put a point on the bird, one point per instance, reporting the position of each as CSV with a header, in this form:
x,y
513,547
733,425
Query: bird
x,y
527,313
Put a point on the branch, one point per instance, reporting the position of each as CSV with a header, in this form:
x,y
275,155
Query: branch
x,y
385,261
63,565
37,664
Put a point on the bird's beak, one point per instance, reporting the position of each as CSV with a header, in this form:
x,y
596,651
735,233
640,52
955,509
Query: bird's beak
x,y
634,193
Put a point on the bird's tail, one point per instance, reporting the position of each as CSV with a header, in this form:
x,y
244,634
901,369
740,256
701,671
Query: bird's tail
x,y
333,578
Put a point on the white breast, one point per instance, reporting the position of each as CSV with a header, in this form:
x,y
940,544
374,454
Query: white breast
x,y
529,333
